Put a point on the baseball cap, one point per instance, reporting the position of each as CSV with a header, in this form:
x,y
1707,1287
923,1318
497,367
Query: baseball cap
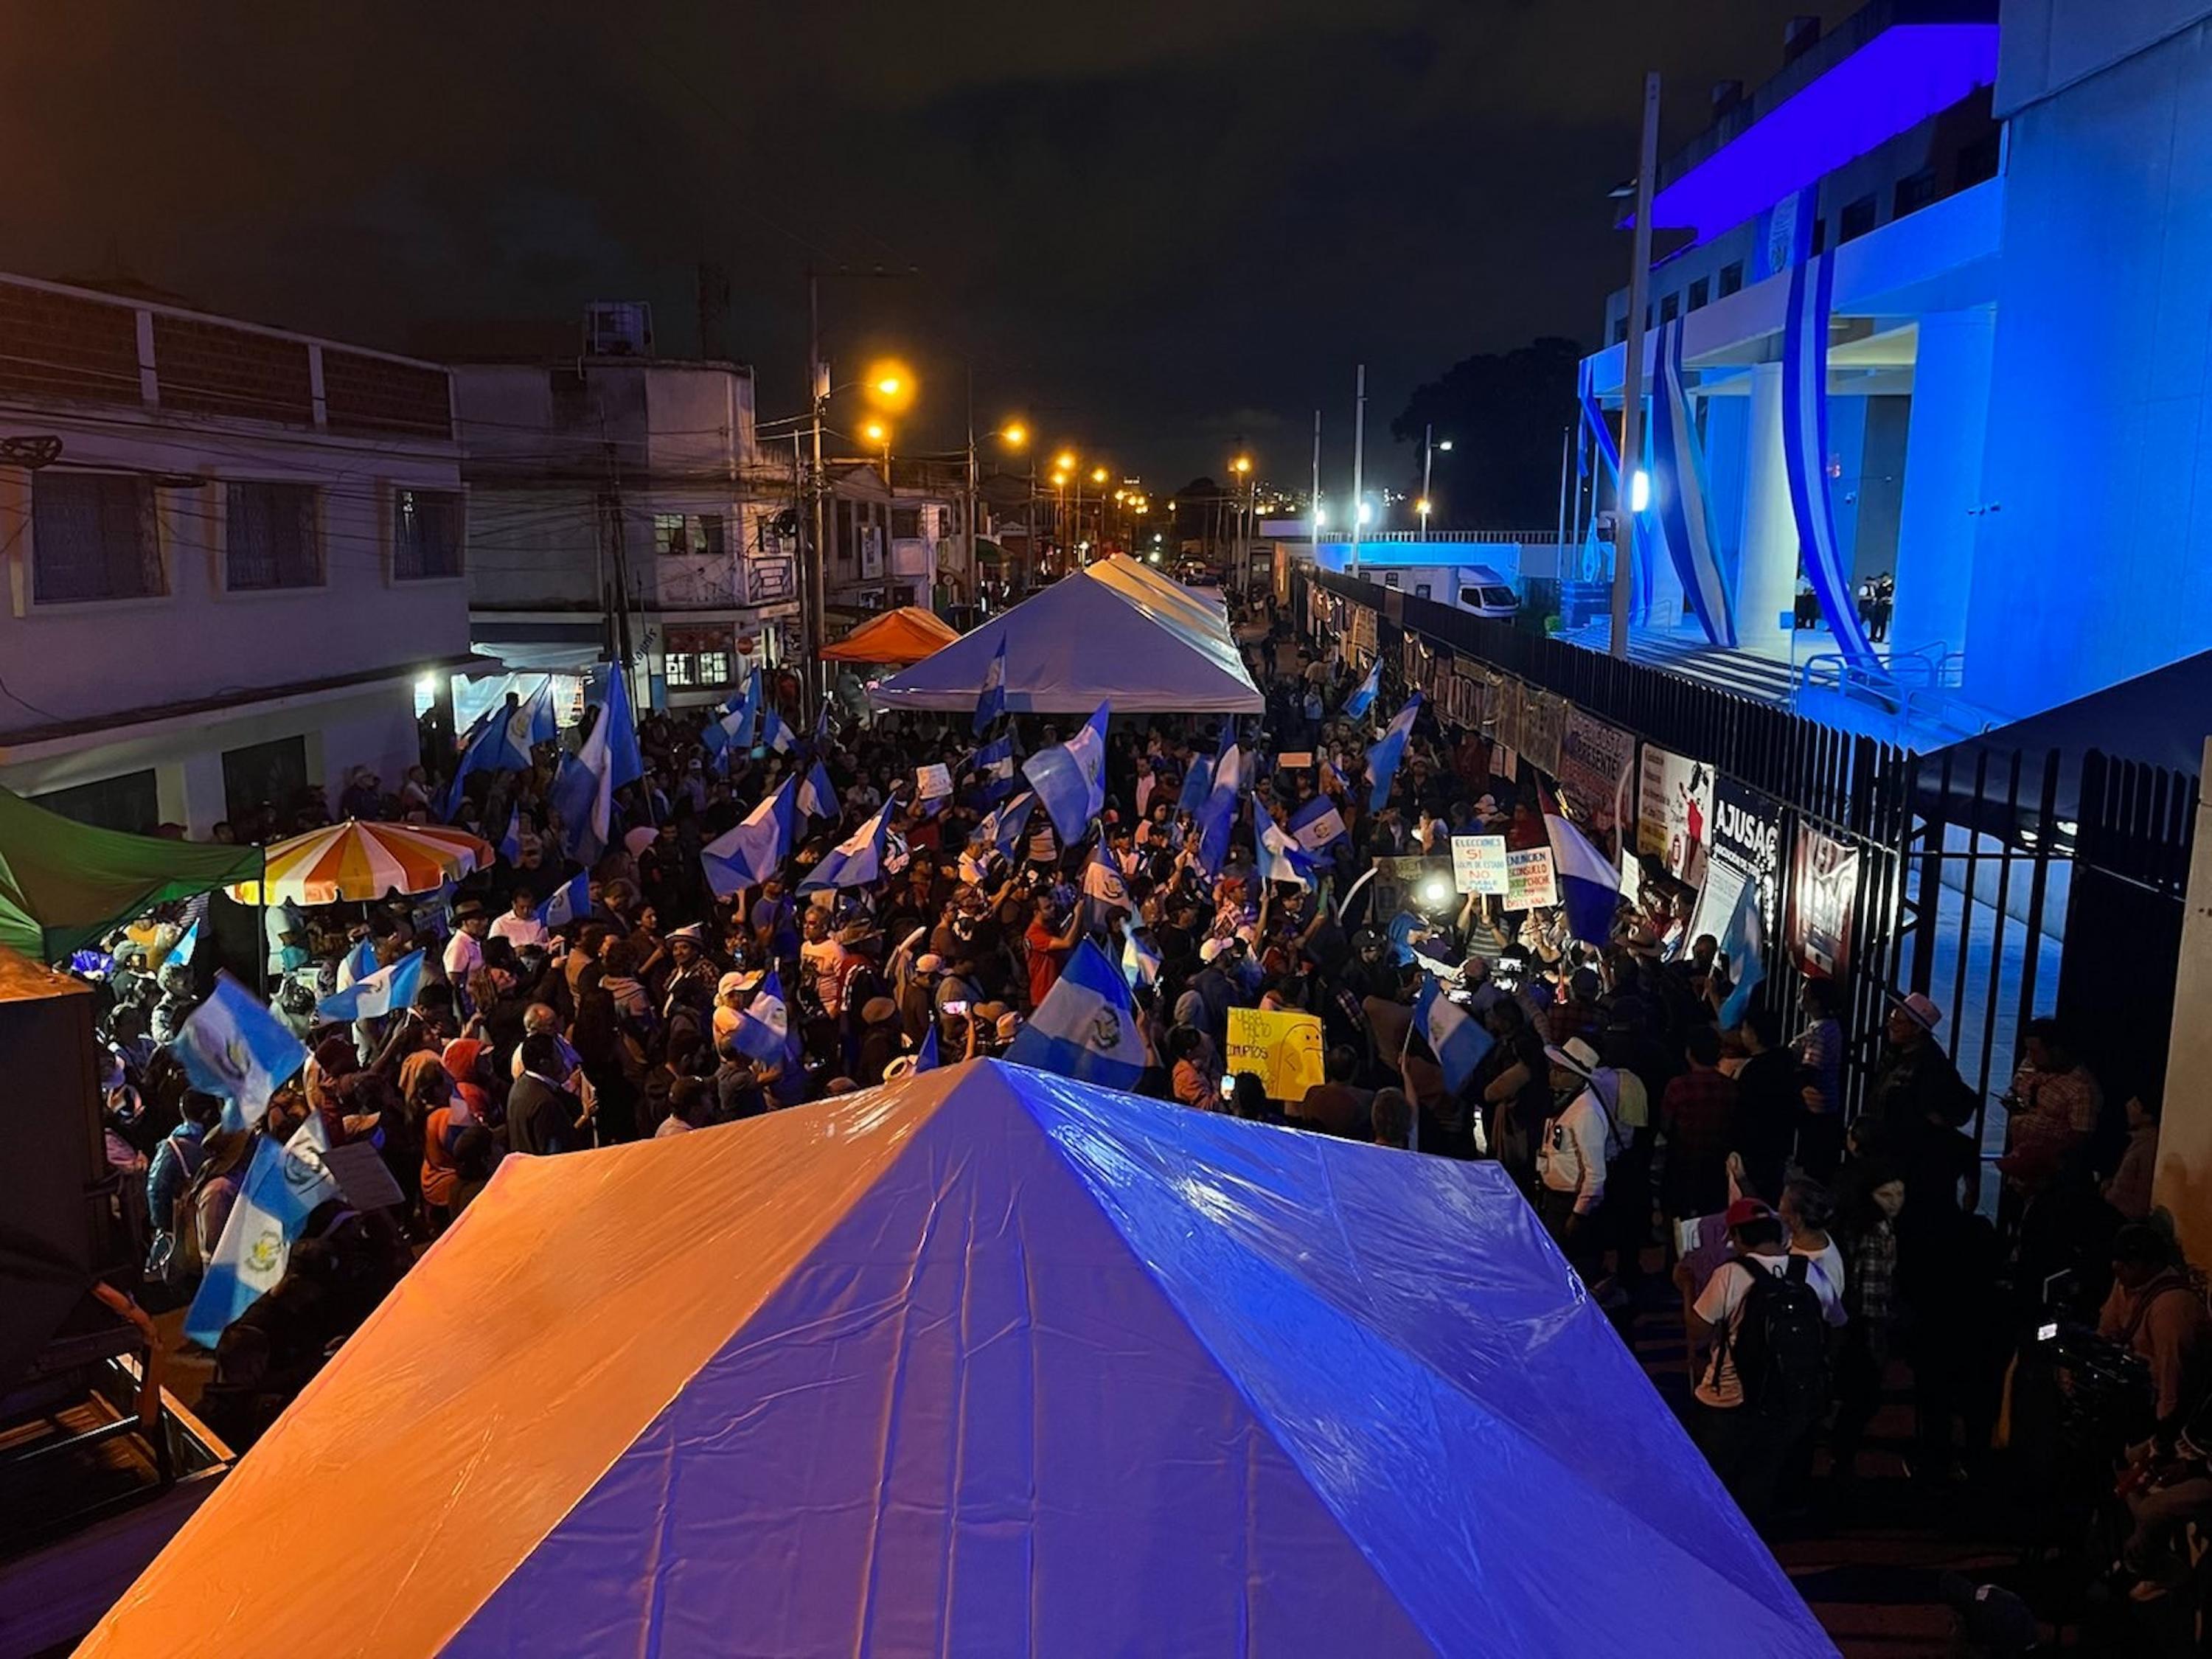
x,y
1921,1008
1211,949
729,985
1745,1210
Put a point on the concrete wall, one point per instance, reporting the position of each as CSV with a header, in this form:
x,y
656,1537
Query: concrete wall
x,y
2183,1186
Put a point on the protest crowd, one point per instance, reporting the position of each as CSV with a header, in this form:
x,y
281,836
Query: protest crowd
x,y
693,920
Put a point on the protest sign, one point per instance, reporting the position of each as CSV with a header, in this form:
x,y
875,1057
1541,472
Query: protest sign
x,y
1529,880
1675,798
1479,864
1283,1050
933,782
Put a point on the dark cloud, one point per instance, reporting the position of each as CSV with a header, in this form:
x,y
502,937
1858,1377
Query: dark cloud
x,y
1159,226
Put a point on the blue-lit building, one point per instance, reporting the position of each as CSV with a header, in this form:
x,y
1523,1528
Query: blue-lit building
x,y
1935,303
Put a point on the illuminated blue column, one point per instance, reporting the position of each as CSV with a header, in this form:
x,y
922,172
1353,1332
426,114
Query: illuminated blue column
x,y
1942,479
1767,575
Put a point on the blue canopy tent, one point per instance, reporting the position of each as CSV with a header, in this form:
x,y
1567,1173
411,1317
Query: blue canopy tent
x,y
984,1362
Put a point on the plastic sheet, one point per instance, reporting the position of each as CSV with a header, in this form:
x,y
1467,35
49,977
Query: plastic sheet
x,y
987,1362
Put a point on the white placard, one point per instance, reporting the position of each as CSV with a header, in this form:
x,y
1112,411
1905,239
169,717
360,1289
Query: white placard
x,y
933,782
1479,864
1528,878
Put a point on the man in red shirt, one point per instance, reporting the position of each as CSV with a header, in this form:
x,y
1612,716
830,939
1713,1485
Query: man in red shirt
x,y
1698,1114
1049,948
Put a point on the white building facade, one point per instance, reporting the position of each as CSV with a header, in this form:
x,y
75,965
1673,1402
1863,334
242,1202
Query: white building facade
x,y
231,554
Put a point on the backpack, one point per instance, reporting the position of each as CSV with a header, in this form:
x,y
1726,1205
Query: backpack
x,y
1780,1342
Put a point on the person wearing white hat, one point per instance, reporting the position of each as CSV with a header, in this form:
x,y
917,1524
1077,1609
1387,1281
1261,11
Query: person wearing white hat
x,y
1580,1141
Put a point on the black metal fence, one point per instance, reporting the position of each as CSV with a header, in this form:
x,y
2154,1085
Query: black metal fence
x,y
2003,885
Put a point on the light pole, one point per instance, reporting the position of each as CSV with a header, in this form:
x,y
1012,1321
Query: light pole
x,y
1632,372
1429,447
1358,462
1242,468
1098,476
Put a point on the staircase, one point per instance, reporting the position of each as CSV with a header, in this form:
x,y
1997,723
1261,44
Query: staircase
x,y
1747,673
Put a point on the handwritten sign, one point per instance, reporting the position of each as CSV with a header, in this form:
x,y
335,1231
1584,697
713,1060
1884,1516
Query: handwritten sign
x,y
1479,864
1282,1050
1528,880
933,782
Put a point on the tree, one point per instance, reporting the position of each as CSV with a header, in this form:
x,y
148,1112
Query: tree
x,y
1503,413
1193,507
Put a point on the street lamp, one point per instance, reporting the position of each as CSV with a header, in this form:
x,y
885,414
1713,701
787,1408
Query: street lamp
x,y
1430,444
1241,466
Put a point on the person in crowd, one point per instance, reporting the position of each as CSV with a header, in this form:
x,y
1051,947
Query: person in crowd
x,y
2128,1190
2054,1105
1581,1138
1871,1311
2155,1311
1697,1115
519,926
1819,1051
1337,1105
464,950
543,1116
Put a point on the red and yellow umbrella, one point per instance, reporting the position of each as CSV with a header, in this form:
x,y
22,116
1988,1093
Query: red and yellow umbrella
x,y
358,861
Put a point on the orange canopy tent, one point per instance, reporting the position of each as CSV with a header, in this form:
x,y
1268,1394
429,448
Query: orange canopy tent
x,y
901,637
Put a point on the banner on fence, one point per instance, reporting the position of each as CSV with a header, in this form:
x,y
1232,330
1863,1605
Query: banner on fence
x,y
1672,802
1596,774
1543,719
1743,842
1510,695
1824,881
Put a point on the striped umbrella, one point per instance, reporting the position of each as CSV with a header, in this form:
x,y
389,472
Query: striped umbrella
x,y
352,861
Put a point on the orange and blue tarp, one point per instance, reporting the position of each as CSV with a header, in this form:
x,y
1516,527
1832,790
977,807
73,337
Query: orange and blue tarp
x,y
984,1362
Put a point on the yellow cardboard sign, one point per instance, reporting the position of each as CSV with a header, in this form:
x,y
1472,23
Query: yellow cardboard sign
x,y
1283,1050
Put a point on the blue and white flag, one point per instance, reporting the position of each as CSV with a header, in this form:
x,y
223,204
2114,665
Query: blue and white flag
x,y
775,735
1744,944
584,789
1317,823
764,1028
1141,958
1197,784
1217,815
1001,831
924,1057
283,1185
1454,1036
1070,778
821,737
750,851
387,991
817,799
1280,858
180,953
857,860
1382,759
1588,882
1085,1027
994,764
1362,695
1805,451
569,902
1104,890
502,739
231,1045
510,844
991,702
357,963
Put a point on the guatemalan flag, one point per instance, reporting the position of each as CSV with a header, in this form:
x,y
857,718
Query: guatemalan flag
x,y
1454,1036
750,851
1104,887
1070,778
1197,784
857,860
1141,958
180,953
231,1045
387,991
815,797
584,789
994,764
1002,830
510,844
1362,695
1085,1027
1744,944
763,1027
357,963
502,739
1281,859
1218,814
283,1185
570,902
775,735
1589,883
1382,759
991,702
733,727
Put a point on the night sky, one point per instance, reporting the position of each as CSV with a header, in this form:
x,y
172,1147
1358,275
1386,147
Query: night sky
x,y
1160,225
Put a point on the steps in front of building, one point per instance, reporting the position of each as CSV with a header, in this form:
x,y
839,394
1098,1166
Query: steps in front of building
x,y
1748,674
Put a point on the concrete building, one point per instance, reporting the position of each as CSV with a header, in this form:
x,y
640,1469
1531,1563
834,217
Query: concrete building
x,y
889,545
2006,205
231,553
612,490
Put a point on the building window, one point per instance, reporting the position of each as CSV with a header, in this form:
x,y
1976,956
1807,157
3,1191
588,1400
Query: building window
x,y
1858,219
678,668
668,534
1670,307
1620,329
1647,316
1914,191
847,544
130,803
269,536
906,524
92,537
714,668
1819,235
426,534
714,537
1731,278
1389,579
1420,589
1699,291
1978,160
274,773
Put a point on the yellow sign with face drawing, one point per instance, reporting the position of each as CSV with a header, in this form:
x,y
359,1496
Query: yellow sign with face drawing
x,y
1283,1050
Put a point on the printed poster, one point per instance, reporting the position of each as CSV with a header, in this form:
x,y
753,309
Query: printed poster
x,y
1743,842
1596,774
1674,799
1824,881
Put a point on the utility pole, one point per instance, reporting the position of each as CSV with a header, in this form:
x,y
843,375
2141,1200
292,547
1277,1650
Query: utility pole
x,y
1359,460
813,606
615,529
974,559
1566,453
1428,456
1631,372
1313,504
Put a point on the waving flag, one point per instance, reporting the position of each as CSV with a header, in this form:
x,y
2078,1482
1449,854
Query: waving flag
x,y
733,727
570,902
994,764
357,963
1085,1027
283,1185
1141,958
1281,859
180,953
1104,891
924,1057
1362,695
1744,944
387,991
1382,759
857,860
510,844
815,797
1070,778
231,1045
763,1027
1002,830
1317,823
1589,883
775,735
991,702
821,736
584,789
1197,784
1218,814
502,739
750,851
1454,1036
